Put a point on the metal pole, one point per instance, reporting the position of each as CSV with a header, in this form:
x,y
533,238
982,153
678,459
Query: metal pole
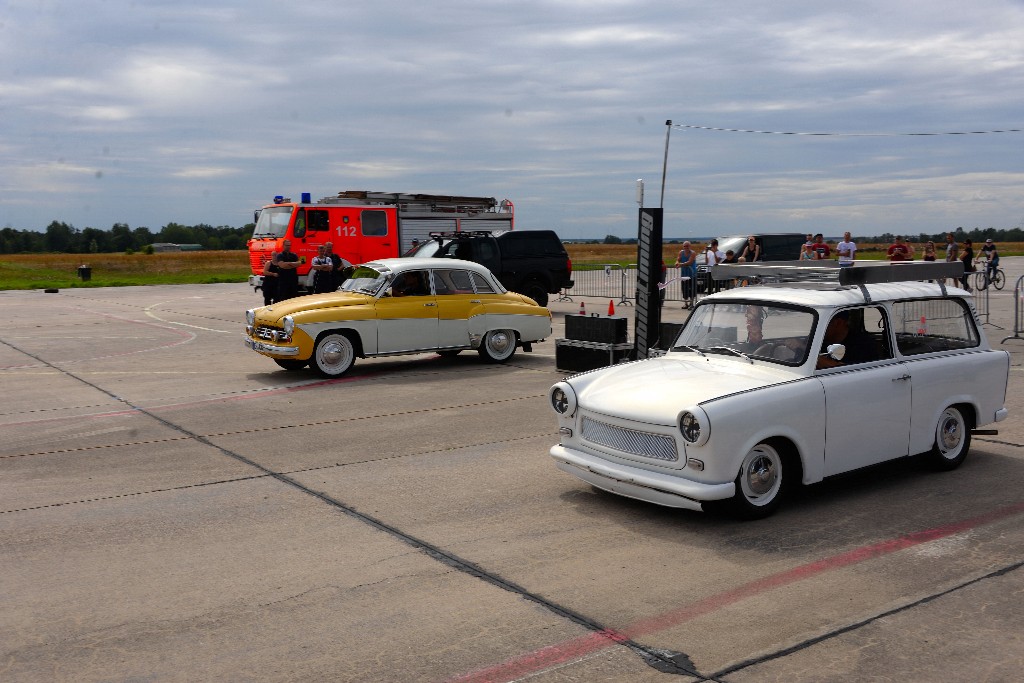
x,y
664,166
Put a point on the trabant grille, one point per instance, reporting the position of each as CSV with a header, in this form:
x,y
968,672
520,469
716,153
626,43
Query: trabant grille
x,y
632,441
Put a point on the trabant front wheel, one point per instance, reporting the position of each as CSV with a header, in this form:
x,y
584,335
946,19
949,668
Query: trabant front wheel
x,y
952,440
333,355
498,345
759,485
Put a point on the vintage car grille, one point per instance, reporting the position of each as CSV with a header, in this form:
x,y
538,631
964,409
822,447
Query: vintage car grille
x,y
632,441
268,333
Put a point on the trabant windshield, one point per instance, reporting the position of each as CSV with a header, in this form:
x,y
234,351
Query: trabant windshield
x,y
366,280
751,329
273,222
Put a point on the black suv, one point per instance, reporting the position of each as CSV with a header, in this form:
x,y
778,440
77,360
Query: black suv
x,y
531,262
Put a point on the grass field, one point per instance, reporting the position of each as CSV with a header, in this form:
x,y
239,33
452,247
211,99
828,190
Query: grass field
x,y
57,271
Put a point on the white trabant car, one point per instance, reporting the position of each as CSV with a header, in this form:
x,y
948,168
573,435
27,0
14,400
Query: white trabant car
x,y
398,306
769,386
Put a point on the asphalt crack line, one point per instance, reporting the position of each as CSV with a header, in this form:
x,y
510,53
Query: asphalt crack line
x,y
810,642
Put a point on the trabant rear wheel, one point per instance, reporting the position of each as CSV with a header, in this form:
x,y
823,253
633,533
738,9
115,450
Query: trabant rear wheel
x,y
759,485
333,355
952,440
291,364
498,345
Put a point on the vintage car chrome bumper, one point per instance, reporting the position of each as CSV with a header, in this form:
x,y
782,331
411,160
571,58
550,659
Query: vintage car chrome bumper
x,y
633,482
272,349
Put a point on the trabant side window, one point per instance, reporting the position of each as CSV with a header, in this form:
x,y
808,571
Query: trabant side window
x,y
758,330
482,285
863,331
375,223
929,325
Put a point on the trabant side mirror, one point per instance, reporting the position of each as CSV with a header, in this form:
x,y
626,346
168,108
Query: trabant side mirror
x,y
835,351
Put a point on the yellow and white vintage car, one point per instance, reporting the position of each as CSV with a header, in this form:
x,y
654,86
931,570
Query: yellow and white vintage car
x,y
398,306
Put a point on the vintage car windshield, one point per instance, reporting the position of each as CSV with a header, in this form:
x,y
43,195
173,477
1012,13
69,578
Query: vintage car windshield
x,y
366,280
273,222
754,330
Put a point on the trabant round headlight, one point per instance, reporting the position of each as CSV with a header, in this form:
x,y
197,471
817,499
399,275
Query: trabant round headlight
x,y
250,316
694,427
288,324
563,399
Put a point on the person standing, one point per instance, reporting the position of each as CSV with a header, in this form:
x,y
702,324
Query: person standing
x,y
751,250
929,251
952,252
898,251
967,258
287,262
821,247
808,254
321,268
712,257
847,250
686,262
269,286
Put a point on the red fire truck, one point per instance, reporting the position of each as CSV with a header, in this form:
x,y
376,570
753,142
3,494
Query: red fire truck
x,y
364,226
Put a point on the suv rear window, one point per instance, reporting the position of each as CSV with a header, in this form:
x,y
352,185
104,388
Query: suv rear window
x,y
530,244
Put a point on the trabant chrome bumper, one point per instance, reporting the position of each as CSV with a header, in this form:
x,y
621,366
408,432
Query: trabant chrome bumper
x,y
633,482
271,349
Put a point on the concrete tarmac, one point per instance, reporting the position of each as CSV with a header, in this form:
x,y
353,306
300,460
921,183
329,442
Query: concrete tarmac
x,y
175,507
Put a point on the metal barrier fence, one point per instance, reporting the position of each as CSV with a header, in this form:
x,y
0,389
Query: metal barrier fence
x,y
612,281
1018,311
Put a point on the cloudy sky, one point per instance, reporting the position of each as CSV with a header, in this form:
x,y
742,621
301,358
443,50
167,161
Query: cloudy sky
x,y
155,111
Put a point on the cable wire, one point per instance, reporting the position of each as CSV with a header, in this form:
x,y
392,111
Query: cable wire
x,y
844,135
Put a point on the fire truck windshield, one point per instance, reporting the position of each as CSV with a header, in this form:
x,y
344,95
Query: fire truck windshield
x,y
273,222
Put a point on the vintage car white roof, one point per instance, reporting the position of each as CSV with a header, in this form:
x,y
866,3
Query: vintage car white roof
x,y
831,296
421,262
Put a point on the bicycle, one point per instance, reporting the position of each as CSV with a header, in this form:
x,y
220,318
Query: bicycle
x,y
995,276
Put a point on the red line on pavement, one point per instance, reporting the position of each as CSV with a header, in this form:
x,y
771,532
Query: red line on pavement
x,y
566,651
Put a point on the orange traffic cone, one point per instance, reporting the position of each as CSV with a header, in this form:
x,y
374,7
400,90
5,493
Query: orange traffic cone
x,y
611,308
583,309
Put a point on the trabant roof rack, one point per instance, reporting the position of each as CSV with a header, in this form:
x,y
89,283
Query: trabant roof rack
x,y
832,275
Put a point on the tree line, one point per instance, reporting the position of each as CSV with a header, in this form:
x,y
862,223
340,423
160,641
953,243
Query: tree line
x,y
60,237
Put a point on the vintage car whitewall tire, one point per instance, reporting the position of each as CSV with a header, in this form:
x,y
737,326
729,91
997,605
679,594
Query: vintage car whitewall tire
x,y
291,363
952,439
760,485
498,345
333,355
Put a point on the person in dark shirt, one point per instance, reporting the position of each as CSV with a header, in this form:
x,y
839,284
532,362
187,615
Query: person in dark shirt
x,y
967,258
288,277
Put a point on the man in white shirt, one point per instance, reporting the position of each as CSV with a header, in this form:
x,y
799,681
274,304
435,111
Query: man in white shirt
x,y
847,250
713,256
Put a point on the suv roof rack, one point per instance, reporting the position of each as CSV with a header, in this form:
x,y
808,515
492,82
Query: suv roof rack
x,y
460,233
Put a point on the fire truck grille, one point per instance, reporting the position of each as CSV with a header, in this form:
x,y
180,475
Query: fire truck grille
x,y
649,445
256,261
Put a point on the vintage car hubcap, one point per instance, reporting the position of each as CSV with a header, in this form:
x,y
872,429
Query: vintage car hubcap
x,y
950,433
499,342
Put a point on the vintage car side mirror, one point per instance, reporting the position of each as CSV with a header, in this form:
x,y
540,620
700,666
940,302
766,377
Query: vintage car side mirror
x,y
835,351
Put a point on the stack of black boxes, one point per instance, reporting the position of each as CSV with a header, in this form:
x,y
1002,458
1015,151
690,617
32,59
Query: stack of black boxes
x,y
592,342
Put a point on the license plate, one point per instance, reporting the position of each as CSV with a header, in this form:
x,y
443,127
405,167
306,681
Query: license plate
x,y
259,346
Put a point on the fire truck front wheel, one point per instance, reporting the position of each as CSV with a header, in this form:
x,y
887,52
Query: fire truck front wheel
x,y
333,355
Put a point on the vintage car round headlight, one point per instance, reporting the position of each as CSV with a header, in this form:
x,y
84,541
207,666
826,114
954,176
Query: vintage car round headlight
x,y
693,425
563,399
250,316
288,324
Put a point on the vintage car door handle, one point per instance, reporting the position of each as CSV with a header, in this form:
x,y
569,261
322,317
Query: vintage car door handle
x,y
475,301
902,378
430,304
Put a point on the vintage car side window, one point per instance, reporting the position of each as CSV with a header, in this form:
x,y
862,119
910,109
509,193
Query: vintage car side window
x,y
866,337
774,333
375,223
929,325
458,281
482,285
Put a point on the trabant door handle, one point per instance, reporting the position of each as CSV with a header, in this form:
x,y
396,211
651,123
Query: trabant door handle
x,y
430,304
902,378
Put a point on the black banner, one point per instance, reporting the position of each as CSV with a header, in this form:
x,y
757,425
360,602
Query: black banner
x,y
649,273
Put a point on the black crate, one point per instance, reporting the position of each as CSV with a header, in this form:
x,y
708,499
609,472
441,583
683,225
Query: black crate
x,y
573,355
668,334
595,328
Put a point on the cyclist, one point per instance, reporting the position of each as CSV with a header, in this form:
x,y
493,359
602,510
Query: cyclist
x,y
990,253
